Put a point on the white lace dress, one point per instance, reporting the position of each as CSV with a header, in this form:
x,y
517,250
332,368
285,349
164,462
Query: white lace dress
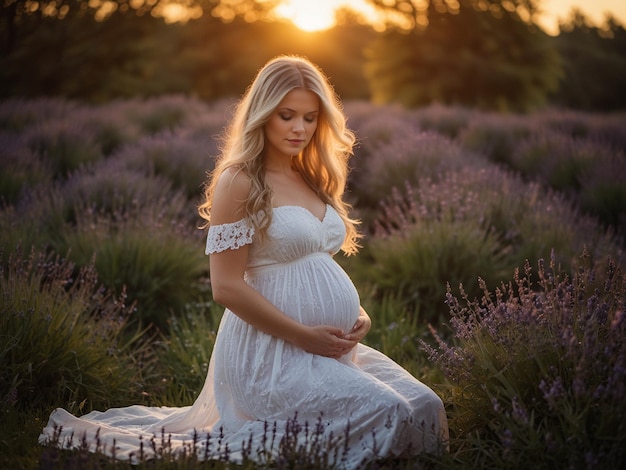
x,y
265,392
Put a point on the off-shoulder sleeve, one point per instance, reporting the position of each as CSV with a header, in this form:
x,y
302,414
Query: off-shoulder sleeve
x,y
228,236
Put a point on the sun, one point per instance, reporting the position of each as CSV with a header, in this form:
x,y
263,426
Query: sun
x,y
309,15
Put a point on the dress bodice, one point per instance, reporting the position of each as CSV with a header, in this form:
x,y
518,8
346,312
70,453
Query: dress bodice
x,y
294,233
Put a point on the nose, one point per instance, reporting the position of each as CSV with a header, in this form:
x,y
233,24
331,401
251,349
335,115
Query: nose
x,y
298,125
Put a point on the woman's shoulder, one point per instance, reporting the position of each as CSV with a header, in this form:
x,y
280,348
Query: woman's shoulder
x,y
234,181
230,195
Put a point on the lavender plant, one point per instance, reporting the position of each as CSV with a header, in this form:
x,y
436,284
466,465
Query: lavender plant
x,y
470,223
537,370
296,444
17,114
409,158
605,129
558,160
569,123
359,112
110,187
158,260
448,121
609,130
61,341
496,135
181,157
164,113
126,176
20,169
111,125
34,221
65,144
417,262
375,130
603,192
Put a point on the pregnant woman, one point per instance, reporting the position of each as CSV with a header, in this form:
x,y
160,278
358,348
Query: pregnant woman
x,y
287,354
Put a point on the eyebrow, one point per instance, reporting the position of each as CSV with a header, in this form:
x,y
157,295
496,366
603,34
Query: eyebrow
x,y
294,111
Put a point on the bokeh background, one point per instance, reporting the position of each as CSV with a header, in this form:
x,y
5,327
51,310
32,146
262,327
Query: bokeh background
x,y
498,54
489,176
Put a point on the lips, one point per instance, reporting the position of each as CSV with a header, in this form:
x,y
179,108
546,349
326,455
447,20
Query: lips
x,y
295,141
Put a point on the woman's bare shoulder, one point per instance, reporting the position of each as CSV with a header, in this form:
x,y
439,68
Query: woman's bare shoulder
x,y
229,197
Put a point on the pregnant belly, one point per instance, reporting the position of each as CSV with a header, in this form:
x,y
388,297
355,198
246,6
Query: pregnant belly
x,y
314,291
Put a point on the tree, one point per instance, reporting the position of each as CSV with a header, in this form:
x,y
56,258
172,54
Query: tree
x,y
584,48
483,53
78,55
99,50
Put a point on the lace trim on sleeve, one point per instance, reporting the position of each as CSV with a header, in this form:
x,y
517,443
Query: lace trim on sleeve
x,y
228,236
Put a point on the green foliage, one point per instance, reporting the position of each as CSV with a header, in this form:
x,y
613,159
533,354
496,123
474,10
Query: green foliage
x,y
418,263
60,340
156,261
488,54
35,222
81,57
127,55
464,55
396,332
584,47
183,354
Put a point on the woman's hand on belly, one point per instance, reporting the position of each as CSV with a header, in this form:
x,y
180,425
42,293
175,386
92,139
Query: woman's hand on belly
x,y
325,340
361,327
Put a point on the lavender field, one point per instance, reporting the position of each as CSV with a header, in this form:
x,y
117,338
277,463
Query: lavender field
x,y
492,267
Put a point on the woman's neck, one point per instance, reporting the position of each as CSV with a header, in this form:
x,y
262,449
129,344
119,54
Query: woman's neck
x,y
280,165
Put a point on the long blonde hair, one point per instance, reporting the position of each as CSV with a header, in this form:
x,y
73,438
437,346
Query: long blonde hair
x,y
323,163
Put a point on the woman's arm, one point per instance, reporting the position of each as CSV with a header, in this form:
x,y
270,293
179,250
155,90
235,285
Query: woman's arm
x,y
231,291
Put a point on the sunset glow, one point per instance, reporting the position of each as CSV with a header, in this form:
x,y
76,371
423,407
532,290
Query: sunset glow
x,y
316,15
553,10
308,15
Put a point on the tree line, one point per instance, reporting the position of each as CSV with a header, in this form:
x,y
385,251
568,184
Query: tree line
x,y
481,53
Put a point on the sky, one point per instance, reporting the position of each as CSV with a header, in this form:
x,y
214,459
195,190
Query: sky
x,y
319,14
594,9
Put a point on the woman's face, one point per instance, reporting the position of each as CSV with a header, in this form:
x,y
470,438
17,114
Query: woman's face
x,y
292,124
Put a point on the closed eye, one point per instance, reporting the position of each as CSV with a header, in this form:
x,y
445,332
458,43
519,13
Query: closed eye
x,y
308,118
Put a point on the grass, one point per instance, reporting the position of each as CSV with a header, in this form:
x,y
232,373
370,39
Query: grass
x,y
61,336
155,261
184,353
